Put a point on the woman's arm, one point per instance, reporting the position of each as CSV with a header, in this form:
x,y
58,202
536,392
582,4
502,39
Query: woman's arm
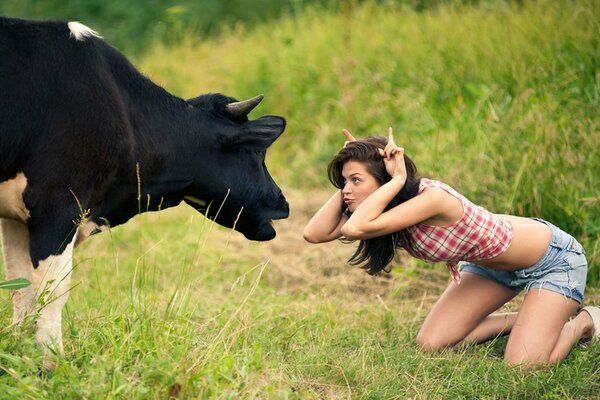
x,y
327,223
369,220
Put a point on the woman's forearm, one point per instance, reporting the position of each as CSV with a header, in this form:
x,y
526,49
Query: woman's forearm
x,y
325,225
373,206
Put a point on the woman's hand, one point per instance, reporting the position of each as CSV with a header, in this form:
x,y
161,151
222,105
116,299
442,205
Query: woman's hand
x,y
393,158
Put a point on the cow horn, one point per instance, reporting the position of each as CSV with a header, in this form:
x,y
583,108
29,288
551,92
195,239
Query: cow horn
x,y
240,109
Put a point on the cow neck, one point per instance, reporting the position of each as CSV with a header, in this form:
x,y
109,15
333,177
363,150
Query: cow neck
x,y
162,125
154,177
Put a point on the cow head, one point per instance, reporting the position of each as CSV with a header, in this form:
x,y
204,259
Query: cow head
x,y
232,185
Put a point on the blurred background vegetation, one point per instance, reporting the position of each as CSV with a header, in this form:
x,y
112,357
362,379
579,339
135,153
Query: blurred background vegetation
x,y
498,98
132,25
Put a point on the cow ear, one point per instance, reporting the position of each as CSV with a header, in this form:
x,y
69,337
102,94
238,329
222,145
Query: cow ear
x,y
260,133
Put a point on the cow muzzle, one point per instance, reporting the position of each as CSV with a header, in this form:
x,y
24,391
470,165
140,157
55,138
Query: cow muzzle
x,y
283,209
263,229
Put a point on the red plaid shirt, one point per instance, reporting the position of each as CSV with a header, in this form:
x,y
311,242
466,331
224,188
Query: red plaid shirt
x,y
477,235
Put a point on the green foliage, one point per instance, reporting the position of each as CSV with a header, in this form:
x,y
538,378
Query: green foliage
x,y
132,25
208,317
501,100
15,284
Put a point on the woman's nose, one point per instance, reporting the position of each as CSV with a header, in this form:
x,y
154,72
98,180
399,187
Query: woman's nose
x,y
346,188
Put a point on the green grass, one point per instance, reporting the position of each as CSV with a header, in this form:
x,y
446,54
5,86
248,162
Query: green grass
x,y
499,100
171,300
134,25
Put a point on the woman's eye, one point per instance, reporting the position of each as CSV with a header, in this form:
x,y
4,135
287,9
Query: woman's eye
x,y
355,180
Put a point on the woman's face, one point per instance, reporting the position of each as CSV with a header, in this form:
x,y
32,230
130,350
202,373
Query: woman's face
x,y
358,184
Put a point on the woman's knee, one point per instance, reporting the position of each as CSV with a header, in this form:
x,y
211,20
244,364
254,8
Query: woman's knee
x,y
522,356
432,341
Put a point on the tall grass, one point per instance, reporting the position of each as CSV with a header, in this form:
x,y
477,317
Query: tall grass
x,y
500,101
171,304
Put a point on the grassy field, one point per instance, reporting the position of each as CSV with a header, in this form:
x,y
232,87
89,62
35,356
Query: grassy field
x,y
501,101
172,302
134,25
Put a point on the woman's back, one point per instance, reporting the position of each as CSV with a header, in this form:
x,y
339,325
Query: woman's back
x,y
476,235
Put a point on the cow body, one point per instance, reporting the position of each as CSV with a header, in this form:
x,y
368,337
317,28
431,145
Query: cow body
x,y
86,141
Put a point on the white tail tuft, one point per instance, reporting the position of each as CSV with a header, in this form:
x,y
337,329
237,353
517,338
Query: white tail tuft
x,y
81,32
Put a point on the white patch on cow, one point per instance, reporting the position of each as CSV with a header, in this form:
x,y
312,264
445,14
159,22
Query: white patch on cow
x,y
17,262
195,200
48,292
81,32
11,198
85,230
52,281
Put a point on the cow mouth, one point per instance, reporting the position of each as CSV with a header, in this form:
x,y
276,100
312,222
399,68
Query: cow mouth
x,y
280,214
264,231
253,228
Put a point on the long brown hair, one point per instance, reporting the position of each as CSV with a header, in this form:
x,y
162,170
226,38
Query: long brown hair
x,y
375,254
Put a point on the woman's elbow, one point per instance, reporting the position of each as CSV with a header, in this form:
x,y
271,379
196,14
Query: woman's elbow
x,y
311,237
350,231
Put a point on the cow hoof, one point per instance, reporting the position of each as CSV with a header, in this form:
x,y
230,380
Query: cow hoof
x,y
51,353
48,363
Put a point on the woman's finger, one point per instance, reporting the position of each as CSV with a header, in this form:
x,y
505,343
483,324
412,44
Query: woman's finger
x,y
390,150
348,135
390,136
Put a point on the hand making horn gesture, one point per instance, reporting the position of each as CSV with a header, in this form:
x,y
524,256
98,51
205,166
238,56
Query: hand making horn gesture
x,y
349,137
393,158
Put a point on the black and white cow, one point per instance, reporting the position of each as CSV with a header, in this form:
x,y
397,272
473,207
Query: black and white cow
x,y
86,141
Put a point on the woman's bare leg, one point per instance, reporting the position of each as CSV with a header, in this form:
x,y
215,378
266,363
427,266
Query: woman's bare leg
x,y
494,325
462,313
541,333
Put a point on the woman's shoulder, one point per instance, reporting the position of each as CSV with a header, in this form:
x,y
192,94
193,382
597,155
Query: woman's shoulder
x,y
444,190
426,183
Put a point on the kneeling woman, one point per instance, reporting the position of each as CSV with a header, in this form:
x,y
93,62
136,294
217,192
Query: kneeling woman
x,y
382,203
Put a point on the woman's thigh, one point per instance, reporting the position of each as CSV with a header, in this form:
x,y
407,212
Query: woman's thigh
x,y
460,309
538,326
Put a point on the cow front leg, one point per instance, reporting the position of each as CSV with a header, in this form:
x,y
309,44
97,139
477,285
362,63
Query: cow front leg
x,y
52,227
15,243
52,280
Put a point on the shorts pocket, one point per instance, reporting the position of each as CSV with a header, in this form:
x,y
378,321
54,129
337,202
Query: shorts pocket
x,y
568,243
575,259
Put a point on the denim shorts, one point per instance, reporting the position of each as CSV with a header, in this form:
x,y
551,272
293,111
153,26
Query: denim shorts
x,y
562,268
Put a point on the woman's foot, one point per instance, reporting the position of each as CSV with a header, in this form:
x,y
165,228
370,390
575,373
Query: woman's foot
x,y
593,332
